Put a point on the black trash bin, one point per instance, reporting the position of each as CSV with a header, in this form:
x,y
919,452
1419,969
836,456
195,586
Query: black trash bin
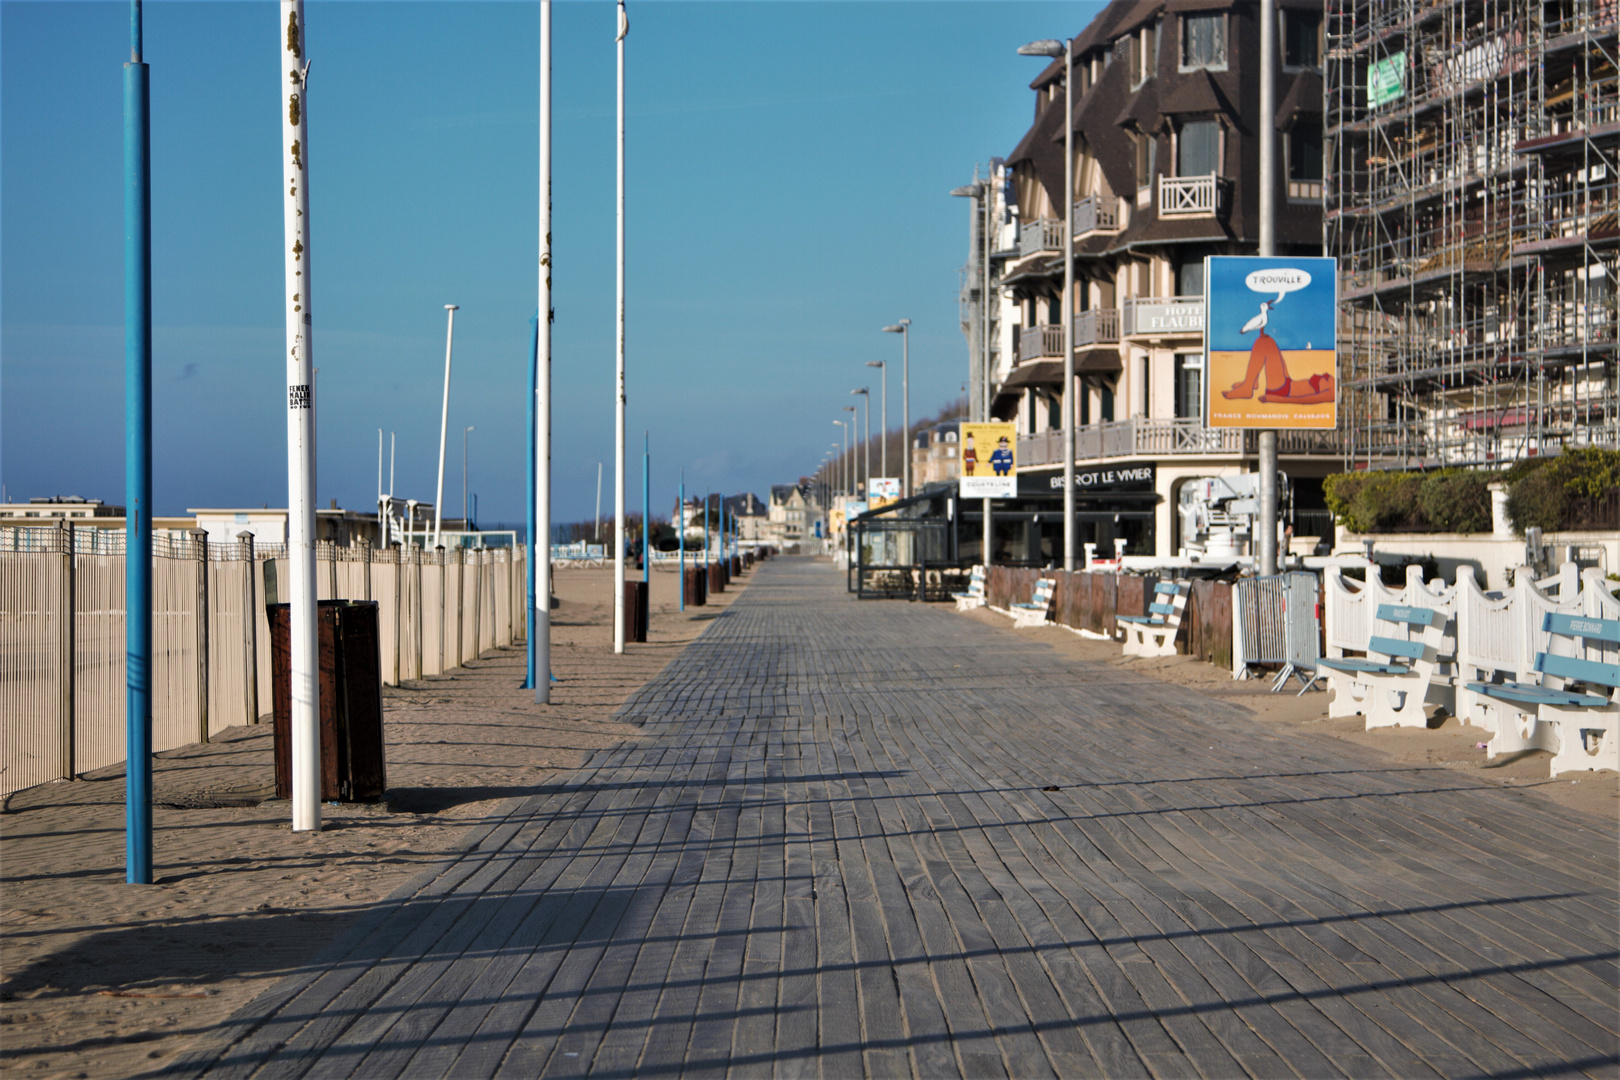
x,y
635,610
353,768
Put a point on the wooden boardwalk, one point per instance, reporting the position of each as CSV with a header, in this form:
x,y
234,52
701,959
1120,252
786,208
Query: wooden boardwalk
x,y
875,838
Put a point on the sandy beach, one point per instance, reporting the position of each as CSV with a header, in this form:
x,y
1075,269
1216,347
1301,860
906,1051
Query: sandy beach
x,y
106,979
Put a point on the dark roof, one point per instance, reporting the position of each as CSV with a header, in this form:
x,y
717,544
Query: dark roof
x,y
1304,96
1102,361
1035,373
1195,92
1143,108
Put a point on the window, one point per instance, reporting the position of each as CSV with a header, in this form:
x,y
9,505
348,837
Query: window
x,y
1302,39
1190,275
1305,158
1146,154
1145,366
1203,41
1054,412
1144,55
1189,386
1198,148
1107,404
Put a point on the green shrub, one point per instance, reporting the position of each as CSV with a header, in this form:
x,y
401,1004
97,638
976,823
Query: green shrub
x,y
1574,490
1340,491
1456,500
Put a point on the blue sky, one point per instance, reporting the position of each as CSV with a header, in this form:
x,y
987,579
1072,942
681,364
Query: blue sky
x,y
789,165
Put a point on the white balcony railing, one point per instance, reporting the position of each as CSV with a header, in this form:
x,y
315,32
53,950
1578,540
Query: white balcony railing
x,y
1096,213
1159,438
1041,235
1191,196
1099,326
1039,342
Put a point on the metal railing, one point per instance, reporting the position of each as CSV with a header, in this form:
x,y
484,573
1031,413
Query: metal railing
x,y
1191,196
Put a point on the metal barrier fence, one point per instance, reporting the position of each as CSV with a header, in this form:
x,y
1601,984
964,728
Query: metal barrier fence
x,y
62,633
1276,621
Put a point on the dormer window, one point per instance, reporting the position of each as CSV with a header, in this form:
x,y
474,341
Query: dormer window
x,y
1203,41
1144,46
1302,39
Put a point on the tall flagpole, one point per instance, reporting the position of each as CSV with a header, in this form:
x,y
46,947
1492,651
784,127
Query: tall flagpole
x,y
618,405
137,462
540,555
306,745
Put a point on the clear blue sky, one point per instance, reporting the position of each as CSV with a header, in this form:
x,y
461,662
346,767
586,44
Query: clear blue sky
x,y
789,170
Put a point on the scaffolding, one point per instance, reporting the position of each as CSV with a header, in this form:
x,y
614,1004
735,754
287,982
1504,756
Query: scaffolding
x,y
1471,201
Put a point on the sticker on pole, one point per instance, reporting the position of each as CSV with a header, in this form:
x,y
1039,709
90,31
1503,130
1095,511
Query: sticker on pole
x,y
1269,341
989,461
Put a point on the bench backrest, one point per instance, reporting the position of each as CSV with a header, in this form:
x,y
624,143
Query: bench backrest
x,y
1594,634
1169,600
1426,629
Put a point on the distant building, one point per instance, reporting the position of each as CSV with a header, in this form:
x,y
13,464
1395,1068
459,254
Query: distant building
x,y
60,506
794,514
934,457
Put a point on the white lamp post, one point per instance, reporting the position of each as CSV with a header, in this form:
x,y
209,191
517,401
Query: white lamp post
x,y
444,420
464,519
866,392
618,404
883,415
1065,49
903,328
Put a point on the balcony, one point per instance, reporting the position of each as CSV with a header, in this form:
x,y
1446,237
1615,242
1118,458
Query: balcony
x,y
1192,196
1140,437
1099,326
1096,213
1163,316
1039,343
1043,236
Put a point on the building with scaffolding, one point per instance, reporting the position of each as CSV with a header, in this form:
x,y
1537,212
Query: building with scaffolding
x,y
1471,197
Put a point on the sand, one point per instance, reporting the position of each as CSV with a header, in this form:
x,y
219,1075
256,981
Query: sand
x,y
1448,743
105,979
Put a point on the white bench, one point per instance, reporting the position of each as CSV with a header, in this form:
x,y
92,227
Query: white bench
x,y
1154,634
1577,701
974,597
1392,686
1034,613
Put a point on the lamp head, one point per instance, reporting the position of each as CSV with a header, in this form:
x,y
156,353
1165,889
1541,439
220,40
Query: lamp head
x,y
968,191
874,363
897,328
1044,47
858,390
452,307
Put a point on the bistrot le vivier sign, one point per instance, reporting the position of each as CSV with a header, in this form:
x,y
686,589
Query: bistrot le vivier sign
x,y
1269,342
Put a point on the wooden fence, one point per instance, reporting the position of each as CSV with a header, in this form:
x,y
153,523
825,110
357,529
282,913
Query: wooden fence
x,y
62,634
1089,601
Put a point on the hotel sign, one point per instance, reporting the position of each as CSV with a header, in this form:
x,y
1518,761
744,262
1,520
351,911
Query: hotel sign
x,y
1166,317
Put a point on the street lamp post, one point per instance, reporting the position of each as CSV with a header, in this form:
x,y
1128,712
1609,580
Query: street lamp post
x,y
618,404
464,518
854,445
444,420
978,388
843,458
1065,49
866,393
903,328
883,415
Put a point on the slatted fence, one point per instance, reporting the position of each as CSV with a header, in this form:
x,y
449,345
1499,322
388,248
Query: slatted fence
x,y
62,646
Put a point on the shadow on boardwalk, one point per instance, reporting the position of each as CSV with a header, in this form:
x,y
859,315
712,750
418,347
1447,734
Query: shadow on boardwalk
x,y
837,852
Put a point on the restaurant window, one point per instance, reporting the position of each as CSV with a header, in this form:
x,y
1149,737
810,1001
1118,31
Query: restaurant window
x,y
1302,38
1203,41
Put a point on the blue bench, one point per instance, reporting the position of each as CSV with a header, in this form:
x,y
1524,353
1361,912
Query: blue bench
x,y
1396,681
1154,634
1578,697
1034,613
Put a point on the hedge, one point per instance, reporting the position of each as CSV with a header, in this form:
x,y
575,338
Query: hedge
x,y
1578,489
